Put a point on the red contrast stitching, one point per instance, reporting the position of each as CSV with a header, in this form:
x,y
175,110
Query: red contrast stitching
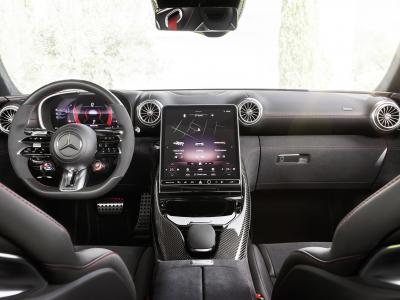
x,y
366,201
26,202
88,265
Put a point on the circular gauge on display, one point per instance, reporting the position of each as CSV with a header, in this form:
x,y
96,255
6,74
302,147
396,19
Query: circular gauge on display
x,y
83,109
93,114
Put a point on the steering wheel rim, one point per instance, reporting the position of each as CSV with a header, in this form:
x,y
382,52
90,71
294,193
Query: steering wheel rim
x,y
19,125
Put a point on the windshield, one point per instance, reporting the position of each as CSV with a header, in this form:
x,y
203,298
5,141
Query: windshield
x,y
297,44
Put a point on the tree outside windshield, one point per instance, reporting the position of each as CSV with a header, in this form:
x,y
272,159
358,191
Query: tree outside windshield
x,y
300,44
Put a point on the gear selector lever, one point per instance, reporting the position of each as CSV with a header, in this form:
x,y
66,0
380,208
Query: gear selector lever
x,y
201,238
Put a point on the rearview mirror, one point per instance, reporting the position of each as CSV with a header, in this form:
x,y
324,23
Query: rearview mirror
x,y
200,16
198,19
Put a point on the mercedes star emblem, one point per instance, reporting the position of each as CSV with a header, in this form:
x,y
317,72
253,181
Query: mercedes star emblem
x,y
69,144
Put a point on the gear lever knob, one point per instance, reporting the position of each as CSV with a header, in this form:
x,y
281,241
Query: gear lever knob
x,y
201,238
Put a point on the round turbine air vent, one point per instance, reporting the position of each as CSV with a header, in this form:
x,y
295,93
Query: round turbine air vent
x,y
250,111
149,112
7,114
386,115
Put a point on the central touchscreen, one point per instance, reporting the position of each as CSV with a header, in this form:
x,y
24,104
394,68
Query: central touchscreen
x,y
200,145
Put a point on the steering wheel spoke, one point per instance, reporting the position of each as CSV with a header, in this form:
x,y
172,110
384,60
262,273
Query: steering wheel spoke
x,y
38,132
73,180
108,142
36,143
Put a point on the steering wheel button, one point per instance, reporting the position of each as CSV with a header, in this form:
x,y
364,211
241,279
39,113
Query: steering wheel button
x,y
47,167
98,166
26,151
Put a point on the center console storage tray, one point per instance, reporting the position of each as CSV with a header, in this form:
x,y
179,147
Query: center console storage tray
x,y
199,208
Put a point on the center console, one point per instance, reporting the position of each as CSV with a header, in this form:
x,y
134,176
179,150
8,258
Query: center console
x,y
201,208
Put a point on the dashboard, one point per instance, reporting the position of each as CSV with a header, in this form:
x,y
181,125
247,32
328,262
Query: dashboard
x,y
288,139
271,112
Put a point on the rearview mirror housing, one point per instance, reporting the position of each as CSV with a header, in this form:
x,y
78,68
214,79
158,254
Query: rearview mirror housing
x,y
211,21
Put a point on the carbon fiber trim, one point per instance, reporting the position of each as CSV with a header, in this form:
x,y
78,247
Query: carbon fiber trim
x,y
234,238
169,239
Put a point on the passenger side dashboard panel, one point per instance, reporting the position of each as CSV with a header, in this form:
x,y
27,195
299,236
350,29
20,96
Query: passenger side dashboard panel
x,y
321,162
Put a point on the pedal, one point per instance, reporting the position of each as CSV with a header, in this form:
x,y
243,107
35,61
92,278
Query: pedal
x,y
143,223
111,206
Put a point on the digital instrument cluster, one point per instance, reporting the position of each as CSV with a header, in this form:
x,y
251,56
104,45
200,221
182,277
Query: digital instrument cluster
x,y
200,145
82,109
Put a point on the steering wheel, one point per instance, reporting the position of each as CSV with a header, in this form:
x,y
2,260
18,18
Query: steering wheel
x,y
72,147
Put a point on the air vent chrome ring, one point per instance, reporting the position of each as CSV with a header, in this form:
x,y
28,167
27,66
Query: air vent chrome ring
x,y
149,112
250,111
385,115
7,114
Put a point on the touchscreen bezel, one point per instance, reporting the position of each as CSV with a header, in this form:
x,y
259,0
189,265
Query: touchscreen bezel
x,y
215,187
